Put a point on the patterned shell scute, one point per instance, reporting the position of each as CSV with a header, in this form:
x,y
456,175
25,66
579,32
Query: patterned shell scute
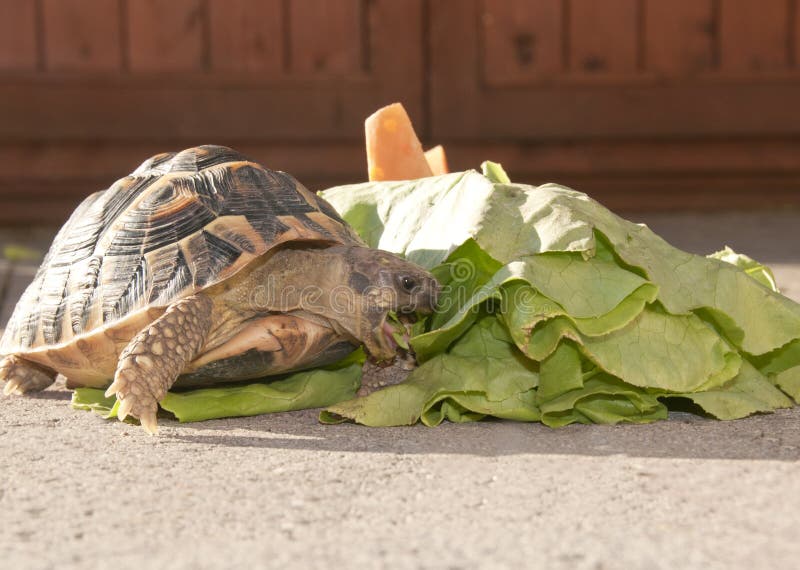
x,y
179,223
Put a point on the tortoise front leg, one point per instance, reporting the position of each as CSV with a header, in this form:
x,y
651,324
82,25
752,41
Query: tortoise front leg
x,y
156,356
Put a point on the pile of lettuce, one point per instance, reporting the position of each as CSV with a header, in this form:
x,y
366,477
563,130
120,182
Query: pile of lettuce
x,y
553,309
557,310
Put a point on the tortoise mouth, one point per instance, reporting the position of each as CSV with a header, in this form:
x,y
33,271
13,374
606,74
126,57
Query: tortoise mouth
x,y
389,336
393,337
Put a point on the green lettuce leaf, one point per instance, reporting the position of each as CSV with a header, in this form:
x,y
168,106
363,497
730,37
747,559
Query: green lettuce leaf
x,y
94,400
426,220
494,172
308,389
603,399
483,374
782,368
615,322
753,268
748,393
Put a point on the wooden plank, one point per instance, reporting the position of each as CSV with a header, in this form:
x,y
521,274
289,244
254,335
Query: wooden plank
x,y
246,35
398,74
106,161
454,69
128,108
132,109
166,35
325,37
18,35
690,193
188,105
753,35
82,35
679,37
21,212
637,157
795,36
603,36
648,109
522,40
681,109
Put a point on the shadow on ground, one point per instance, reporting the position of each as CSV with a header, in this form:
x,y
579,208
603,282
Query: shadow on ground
x,y
765,437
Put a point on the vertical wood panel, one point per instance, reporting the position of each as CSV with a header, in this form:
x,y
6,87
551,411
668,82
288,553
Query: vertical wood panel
x,y
18,34
166,35
246,35
522,39
603,36
325,36
753,35
82,34
455,98
679,36
795,31
397,74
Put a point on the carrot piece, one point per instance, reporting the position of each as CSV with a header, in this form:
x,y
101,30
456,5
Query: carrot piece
x,y
437,160
393,149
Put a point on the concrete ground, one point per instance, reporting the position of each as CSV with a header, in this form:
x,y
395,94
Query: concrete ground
x,y
283,491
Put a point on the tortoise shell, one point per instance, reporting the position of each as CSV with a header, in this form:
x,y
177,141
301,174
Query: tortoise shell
x,y
181,222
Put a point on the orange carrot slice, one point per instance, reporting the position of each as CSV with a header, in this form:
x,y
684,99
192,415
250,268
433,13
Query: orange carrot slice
x,y
393,149
437,160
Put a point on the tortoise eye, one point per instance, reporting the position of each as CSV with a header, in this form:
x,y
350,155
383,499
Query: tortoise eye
x,y
408,283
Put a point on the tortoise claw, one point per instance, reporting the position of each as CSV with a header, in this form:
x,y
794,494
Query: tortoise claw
x,y
12,387
144,410
113,389
124,409
149,422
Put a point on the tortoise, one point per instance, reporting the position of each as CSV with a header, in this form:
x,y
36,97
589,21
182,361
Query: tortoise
x,y
203,266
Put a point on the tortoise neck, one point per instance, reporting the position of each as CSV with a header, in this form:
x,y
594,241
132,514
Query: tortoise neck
x,y
291,279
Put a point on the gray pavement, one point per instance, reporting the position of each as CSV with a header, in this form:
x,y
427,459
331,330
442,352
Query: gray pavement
x,y
283,491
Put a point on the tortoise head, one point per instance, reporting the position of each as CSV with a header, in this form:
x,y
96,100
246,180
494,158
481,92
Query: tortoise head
x,y
384,283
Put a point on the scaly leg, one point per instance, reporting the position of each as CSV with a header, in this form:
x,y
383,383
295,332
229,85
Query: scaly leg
x,y
156,356
374,376
22,376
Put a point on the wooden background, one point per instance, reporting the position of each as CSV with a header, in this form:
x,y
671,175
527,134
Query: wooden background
x,y
643,103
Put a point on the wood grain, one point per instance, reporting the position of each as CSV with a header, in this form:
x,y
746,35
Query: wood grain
x,y
603,36
455,97
795,35
753,35
246,35
18,35
134,109
647,109
82,35
325,37
522,40
398,74
679,37
622,102
166,35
